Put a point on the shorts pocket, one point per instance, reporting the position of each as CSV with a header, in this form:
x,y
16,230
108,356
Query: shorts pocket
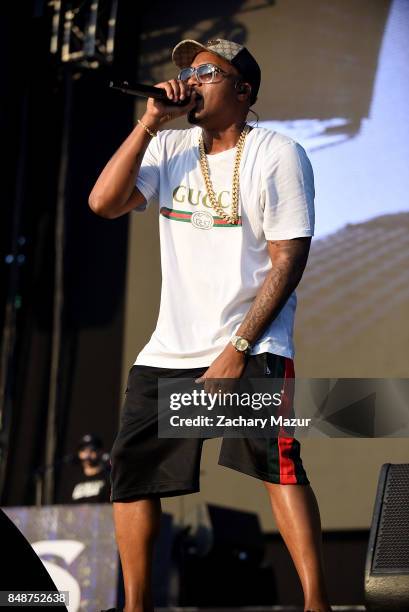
x,y
267,370
274,365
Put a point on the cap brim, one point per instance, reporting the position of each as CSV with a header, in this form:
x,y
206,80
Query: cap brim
x,y
185,51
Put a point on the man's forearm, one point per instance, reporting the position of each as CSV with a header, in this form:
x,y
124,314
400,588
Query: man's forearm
x,y
288,262
117,180
114,193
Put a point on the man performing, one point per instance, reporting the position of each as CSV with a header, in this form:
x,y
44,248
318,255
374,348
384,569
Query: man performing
x,y
236,220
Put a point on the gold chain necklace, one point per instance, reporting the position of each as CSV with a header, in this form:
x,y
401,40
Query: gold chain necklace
x,y
233,218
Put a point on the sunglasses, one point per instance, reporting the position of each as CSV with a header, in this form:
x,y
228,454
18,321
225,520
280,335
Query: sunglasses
x,y
205,73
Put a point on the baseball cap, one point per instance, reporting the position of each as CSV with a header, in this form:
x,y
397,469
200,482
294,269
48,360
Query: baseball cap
x,y
90,440
238,55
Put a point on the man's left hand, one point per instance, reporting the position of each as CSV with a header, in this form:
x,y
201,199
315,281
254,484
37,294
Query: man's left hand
x,y
229,364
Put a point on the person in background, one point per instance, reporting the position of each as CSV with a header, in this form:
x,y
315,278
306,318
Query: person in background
x,y
88,481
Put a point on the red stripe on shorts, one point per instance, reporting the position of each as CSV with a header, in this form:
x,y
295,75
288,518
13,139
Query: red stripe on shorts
x,y
287,466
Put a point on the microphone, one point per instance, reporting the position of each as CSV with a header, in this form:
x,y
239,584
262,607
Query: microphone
x,y
146,91
106,458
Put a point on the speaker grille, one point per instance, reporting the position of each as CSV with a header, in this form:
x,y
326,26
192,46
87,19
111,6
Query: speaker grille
x,y
392,550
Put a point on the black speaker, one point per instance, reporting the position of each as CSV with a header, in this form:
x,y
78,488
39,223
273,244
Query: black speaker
x,y
23,570
237,534
232,573
387,560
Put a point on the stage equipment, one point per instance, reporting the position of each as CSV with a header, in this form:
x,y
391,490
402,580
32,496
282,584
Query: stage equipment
x,y
83,37
387,561
23,570
75,542
233,572
84,32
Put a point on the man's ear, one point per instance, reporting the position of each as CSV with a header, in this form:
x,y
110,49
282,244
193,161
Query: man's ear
x,y
243,88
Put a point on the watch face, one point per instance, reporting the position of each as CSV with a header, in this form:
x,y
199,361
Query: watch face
x,y
242,344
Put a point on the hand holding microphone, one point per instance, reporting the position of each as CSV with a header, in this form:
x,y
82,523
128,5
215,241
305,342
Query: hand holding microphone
x,y
167,100
180,100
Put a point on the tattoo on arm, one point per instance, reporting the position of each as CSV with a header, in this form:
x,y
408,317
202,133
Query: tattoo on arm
x,y
288,258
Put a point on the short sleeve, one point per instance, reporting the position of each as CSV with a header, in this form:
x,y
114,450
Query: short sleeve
x,y
149,174
288,193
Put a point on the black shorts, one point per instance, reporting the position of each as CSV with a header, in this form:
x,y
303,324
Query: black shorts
x,y
144,465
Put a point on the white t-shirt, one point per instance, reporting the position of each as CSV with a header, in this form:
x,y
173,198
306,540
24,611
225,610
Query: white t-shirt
x,y
211,272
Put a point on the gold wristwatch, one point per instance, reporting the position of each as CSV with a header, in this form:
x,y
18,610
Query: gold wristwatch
x,y
240,344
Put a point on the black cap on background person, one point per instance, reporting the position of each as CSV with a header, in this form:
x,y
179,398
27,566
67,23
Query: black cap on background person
x,y
90,440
